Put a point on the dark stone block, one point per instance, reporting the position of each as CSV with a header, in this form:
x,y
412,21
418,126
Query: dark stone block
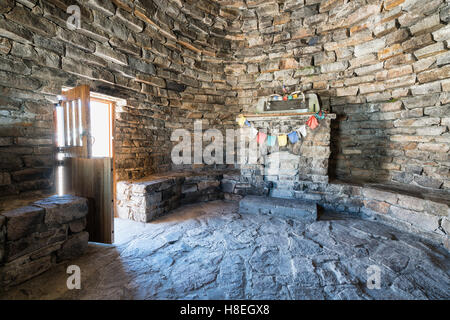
x,y
63,209
14,31
31,21
414,169
287,208
74,246
29,174
403,177
23,221
228,186
8,190
428,182
445,14
178,87
77,225
40,184
10,162
141,66
19,271
35,241
167,194
6,5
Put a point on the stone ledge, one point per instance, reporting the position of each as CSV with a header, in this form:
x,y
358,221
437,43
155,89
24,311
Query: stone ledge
x,y
63,209
22,221
286,208
34,237
423,212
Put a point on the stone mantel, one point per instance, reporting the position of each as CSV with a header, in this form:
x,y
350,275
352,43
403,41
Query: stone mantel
x,y
280,168
283,116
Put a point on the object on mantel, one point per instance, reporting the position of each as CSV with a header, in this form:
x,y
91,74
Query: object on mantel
x,y
313,102
292,103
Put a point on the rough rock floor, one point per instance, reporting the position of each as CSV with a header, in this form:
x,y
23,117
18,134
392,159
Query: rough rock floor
x,y
209,251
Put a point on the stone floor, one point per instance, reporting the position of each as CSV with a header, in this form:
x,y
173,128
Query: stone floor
x,y
209,251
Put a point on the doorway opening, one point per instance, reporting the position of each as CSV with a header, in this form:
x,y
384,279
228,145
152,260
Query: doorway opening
x,y
84,131
101,134
101,127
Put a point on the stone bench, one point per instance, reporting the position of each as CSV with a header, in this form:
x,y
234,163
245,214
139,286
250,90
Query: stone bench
x,y
35,237
417,210
148,198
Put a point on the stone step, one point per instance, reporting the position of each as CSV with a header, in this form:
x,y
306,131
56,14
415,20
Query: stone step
x,y
286,208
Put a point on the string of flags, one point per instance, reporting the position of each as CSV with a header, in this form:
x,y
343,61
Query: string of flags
x,y
282,138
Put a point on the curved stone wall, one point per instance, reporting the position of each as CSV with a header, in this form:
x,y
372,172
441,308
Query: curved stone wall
x,y
381,66
163,57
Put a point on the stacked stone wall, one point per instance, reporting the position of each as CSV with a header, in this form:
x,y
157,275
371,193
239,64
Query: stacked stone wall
x,y
35,237
381,66
165,58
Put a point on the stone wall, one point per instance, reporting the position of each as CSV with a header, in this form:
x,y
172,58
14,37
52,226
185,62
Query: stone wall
x,y
381,66
164,57
33,238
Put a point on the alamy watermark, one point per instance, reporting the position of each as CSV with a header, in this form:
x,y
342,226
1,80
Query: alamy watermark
x,y
373,277
220,150
74,280
74,20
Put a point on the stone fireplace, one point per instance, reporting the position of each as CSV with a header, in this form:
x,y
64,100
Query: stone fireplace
x,y
279,170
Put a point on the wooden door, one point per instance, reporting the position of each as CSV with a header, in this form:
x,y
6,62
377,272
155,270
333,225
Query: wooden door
x,y
86,176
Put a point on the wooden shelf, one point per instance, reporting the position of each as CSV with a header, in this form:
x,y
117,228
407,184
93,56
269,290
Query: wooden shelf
x,y
260,116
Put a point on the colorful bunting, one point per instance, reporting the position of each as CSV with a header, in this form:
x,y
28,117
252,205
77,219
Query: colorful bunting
x,y
253,132
302,131
271,140
241,120
312,122
282,140
320,115
261,137
293,136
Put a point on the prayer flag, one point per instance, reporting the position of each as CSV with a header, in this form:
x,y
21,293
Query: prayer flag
x,y
282,140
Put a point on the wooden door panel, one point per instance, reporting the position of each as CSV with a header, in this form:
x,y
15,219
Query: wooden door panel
x,y
92,179
77,124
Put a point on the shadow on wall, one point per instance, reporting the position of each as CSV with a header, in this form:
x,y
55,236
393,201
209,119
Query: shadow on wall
x,y
360,145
